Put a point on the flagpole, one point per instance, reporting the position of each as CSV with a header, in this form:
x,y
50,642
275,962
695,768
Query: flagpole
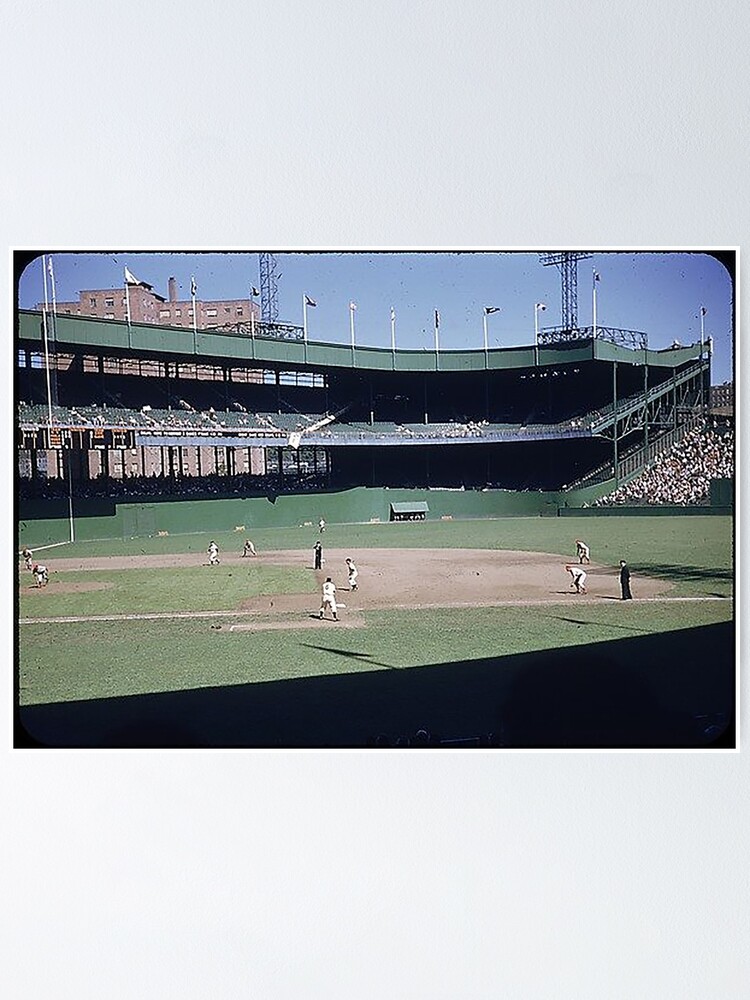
x,y
127,306
46,341
393,329
195,311
703,313
304,317
484,325
252,311
593,304
437,332
351,321
536,333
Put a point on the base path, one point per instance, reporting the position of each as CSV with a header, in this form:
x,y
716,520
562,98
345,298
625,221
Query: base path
x,y
398,578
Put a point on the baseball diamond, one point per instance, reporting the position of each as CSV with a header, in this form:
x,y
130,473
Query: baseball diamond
x,y
461,486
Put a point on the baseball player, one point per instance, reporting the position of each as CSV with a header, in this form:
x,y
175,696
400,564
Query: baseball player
x,y
213,554
329,599
579,578
583,551
248,549
41,575
321,526
352,574
28,556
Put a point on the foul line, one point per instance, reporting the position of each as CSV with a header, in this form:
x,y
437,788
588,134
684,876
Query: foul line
x,y
164,615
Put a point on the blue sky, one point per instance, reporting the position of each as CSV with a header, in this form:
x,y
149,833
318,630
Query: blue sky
x,y
659,293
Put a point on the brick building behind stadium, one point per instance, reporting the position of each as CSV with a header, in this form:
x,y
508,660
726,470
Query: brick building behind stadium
x,y
147,306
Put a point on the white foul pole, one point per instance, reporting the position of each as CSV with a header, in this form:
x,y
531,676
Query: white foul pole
x,y
46,340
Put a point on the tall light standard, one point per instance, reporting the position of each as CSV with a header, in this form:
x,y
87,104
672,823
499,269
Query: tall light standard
x,y
540,306
703,313
488,310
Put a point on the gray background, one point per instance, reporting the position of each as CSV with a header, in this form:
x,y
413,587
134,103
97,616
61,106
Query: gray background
x,y
353,125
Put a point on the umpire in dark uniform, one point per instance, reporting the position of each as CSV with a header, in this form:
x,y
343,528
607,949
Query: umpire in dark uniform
x,y
318,554
625,581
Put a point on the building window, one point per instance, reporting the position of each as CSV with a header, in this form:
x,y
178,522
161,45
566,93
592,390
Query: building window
x,y
239,311
178,312
210,312
109,302
227,309
92,302
164,313
190,312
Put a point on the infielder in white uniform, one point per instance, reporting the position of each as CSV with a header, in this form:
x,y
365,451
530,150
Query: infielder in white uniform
x,y
352,574
579,578
248,549
213,554
329,599
40,575
582,551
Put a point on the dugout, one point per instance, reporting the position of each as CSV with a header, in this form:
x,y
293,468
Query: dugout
x,y
414,510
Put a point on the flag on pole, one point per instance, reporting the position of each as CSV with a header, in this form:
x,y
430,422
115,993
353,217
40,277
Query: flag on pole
x,y
703,310
541,305
50,269
393,315
254,291
597,276
130,279
193,286
437,319
309,301
488,310
352,306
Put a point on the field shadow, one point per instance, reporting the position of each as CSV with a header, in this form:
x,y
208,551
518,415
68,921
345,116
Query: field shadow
x,y
654,691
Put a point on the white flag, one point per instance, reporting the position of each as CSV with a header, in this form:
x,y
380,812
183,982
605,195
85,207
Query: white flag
x,y
352,306
541,305
130,279
193,287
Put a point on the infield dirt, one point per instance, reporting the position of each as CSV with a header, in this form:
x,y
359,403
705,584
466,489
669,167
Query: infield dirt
x,y
396,578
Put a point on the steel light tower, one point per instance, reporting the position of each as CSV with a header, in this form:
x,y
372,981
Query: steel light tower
x,y
567,261
269,287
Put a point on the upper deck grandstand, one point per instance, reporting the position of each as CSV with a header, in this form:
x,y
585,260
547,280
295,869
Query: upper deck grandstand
x,y
134,402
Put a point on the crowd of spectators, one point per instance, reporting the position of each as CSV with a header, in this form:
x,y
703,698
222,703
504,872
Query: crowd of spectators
x,y
682,475
212,486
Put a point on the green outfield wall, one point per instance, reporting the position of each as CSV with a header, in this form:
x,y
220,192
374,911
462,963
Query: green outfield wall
x,y
44,523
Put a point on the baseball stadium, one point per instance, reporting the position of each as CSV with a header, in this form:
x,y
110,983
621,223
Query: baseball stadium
x,y
459,482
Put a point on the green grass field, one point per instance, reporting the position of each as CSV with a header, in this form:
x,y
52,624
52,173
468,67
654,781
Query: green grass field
x,y
90,660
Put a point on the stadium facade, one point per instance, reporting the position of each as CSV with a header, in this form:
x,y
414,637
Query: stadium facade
x,y
138,410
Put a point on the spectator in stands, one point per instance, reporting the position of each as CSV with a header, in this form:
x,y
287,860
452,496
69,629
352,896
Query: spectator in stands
x,y
682,475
